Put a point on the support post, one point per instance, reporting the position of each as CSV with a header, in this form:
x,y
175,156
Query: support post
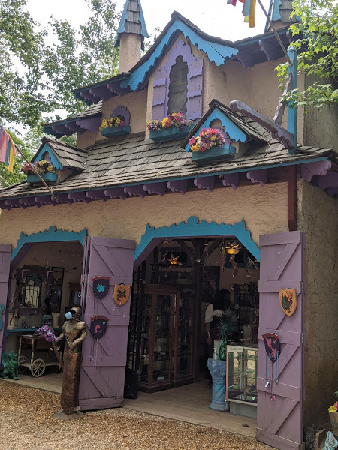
x,y
292,112
292,198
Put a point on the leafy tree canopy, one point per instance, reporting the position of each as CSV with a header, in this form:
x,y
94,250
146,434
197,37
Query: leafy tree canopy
x,y
316,30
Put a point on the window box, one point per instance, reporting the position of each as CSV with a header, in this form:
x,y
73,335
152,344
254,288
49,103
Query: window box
x,y
114,131
170,133
213,154
45,176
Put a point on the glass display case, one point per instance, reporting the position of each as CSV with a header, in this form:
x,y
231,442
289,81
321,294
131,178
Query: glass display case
x,y
241,374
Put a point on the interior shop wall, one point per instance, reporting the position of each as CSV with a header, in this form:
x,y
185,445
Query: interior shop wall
x,y
127,219
67,255
318,218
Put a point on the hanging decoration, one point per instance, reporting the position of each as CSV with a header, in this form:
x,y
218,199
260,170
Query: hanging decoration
x,y
121,293
288,301
249,10
7,149
174,261
2,309
273,350
101,286
98,326
233,249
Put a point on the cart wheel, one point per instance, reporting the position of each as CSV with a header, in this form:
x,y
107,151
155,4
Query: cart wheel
x,y
38,367
22,360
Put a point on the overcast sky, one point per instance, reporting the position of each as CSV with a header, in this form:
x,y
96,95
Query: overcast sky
x,y
214,17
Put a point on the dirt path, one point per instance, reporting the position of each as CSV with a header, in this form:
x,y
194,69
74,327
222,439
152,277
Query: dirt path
x,y
26,423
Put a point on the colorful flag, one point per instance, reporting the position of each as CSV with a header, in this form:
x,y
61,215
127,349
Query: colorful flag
x,y
7,150
249,10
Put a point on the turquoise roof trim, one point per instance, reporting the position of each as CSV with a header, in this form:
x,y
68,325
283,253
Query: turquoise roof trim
x,y
195,228
216,52
233,131
51,235
275,10
53,158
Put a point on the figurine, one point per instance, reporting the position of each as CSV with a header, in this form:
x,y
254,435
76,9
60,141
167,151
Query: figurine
x,y
73,333
10,363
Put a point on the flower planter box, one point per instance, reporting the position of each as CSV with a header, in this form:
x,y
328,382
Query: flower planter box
x,y
170,133
334,422
45,176
214,154
113,131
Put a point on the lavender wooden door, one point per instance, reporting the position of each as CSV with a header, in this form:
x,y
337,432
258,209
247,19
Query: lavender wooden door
x,y
279,419
5,262
103,368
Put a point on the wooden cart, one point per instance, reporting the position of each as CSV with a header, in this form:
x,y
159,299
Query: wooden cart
x,y
35,354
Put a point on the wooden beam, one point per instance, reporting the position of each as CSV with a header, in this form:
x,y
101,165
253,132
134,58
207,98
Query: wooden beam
x,y
211,247
292,198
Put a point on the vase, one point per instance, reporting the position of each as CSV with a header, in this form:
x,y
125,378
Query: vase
x,y
334,422
217,371
114,131
50,176
213,154
169,133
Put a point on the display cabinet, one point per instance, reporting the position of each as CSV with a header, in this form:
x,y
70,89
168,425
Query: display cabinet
x,y
241,374
166,338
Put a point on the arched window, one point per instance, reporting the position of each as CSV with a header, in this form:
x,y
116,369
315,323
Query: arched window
x,y
178,87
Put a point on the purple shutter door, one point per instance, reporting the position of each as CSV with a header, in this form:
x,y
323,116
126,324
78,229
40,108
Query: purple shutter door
x,y
103,367
195,90
280,421
5,263
159,95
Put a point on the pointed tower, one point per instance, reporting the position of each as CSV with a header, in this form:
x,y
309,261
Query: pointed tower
x,y
279,12
130,35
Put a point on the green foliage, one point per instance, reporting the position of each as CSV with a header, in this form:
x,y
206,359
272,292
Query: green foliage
x,y
317,48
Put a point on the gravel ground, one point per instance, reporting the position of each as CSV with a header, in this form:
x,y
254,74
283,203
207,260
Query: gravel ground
x,y
26,422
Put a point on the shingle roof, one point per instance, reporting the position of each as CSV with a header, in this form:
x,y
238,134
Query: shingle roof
x,y
133,160
69,156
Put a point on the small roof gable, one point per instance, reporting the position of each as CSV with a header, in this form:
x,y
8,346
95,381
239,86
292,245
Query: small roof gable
x,y
62,155
238,127
132,21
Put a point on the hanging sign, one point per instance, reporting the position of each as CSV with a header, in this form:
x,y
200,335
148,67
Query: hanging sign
x,y
288,301
101,286
98,326
272,346
121,293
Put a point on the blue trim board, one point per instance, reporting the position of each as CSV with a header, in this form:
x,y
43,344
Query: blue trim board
x,y
234,132
51,235
53,158
292,109
195,228
215,52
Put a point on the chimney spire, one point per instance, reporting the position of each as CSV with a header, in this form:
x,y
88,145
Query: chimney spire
x,y
279,13
130,35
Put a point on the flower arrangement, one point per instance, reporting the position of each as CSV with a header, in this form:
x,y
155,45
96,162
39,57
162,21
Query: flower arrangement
x,y
208,138
41,167
47,333
113,122
172,120
334,407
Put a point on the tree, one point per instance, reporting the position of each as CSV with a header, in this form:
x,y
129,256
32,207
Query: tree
x,y
317,47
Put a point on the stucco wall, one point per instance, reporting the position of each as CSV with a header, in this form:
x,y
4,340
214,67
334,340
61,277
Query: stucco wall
x,y
128,218
318,218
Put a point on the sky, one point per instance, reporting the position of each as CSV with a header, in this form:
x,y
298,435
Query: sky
x,y
215,17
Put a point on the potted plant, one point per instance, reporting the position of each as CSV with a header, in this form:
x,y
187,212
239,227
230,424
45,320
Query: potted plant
x,y
209,145
173,126
225,328
115,126
43,167
333,412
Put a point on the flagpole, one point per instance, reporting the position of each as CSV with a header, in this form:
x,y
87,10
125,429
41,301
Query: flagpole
x,y
276,34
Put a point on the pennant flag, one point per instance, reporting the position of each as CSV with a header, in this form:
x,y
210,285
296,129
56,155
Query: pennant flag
x,y
249,10
7,150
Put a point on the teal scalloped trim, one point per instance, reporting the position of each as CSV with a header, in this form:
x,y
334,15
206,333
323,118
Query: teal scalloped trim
x,y
215,52
51,235
275,10
53,158
195,228
234,132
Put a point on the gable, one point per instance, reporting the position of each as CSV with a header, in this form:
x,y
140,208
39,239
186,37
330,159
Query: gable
x,y
53,158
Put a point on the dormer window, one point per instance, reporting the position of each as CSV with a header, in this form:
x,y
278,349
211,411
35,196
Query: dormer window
x,y
178,87
46,156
